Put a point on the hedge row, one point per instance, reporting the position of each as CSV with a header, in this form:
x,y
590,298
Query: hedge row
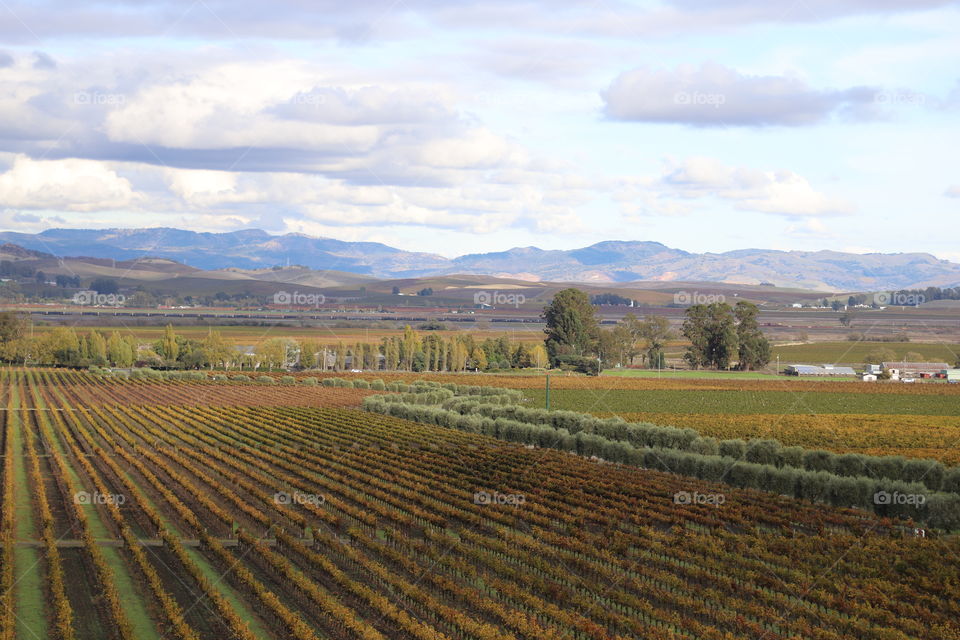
x,y
447,390
931,473
939,509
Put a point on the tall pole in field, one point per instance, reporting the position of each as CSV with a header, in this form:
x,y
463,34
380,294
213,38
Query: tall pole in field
x,y
548,392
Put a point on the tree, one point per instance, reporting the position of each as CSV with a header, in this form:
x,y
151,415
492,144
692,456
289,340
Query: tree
x,y
12,326
654,331
458,356
409,346
572,326
217,351
880,355
63,346
118,351
97,346
479,358
753,347
712,332
695,330
278,352
538,356
167,346
396,291
104,286
847,318
142,300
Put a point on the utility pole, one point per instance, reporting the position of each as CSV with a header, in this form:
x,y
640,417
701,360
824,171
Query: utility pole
x,y
548,392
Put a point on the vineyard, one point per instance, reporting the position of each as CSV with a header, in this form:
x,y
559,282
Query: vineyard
x,y
873,434
211,510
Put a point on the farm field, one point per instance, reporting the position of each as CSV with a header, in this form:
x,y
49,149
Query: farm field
x,y
177,513
936,437
731,401
564,380
669,373
855,353
921,421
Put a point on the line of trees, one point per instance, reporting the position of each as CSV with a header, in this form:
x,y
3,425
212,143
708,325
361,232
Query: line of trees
x,y
721,336
411,351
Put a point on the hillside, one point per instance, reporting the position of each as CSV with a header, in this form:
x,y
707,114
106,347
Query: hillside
x,y
604,262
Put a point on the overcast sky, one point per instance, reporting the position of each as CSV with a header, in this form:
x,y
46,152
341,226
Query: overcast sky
x,y
460,126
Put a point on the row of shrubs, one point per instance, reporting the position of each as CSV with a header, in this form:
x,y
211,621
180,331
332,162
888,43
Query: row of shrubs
x,y
931,473
200,376
444,391
939,509
441,391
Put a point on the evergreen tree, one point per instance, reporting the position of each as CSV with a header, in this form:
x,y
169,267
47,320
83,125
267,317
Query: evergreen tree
x,y
754,348
572,326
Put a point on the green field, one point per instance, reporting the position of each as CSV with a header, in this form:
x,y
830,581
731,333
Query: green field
x,y
854,353
713,401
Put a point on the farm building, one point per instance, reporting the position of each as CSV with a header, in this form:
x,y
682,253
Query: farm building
x,y
915,369
869,377
813,370
952,375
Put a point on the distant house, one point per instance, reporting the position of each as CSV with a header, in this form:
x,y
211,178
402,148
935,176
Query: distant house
x,y
915,369
869,377
952,375
813,370
874,368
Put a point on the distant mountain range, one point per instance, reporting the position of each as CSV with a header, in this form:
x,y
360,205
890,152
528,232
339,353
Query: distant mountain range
x,y
612,261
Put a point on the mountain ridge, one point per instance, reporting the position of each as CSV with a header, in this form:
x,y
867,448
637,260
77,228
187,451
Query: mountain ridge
x,y
613,261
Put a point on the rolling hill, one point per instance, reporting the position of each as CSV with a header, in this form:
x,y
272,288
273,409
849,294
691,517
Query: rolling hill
x,y
241,252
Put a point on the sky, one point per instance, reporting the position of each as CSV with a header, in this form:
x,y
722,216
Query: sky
x,y
465,126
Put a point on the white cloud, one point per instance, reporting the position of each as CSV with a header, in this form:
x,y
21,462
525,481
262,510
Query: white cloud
x,y
780,192
682,182
953,191
809,227
66,185
715,95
